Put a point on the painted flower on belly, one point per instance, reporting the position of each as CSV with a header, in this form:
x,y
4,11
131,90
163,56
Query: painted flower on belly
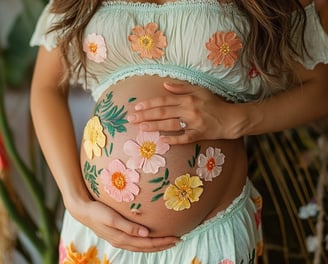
x,y
94,138
210,166
95,47
186,190
146,152
120,182
147,41
224,47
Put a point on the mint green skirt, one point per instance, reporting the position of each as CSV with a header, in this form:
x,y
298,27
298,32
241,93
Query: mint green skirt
x,y
233,236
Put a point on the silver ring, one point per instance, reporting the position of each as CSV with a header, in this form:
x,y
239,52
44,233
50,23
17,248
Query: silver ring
x,y
183,124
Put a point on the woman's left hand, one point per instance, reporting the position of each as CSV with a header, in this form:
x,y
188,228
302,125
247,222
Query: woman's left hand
x,y
196,112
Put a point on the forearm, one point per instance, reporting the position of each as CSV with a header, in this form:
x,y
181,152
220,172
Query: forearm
x,y
294,107
55,133
54,128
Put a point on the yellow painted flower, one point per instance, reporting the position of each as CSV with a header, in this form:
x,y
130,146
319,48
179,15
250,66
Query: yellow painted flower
x,y
195,261
185,191
148,41
94,138
75,257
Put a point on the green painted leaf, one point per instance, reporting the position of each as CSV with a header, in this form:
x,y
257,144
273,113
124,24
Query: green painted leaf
x,y
90,174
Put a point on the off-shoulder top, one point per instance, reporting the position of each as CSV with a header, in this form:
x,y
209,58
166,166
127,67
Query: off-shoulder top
x,y
198,41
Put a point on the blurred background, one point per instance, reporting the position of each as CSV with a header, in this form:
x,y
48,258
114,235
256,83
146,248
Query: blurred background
x,y
289,168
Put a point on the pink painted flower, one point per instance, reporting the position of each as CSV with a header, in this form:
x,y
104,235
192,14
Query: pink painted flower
x,y
224,47
146,152
62,252
120,182
210,166
147,41
95,47
227,261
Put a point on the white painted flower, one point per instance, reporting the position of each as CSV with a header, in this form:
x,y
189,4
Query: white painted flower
x,y
210,166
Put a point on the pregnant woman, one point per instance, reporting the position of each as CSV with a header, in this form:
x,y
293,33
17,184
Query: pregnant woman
x,y
162,171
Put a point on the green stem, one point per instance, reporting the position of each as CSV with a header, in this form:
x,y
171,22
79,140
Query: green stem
x,y
34,187
20,221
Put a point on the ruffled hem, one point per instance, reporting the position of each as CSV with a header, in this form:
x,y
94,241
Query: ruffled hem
x,y
316,40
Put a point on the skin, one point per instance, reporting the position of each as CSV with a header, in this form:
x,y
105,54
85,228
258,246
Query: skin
x,y
207,117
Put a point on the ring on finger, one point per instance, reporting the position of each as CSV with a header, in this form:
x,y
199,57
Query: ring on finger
x,y
182,124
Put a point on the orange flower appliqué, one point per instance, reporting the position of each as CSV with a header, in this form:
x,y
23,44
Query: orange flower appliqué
x,y
224,47
148,41
73,256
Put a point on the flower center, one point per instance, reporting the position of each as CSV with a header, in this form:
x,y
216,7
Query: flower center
x,y
147,149
183,194
146,42
210,164
118,180
94,136
225,49
93,47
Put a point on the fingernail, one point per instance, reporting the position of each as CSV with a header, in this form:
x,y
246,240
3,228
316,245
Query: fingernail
x,y
138,107
131,118
143,232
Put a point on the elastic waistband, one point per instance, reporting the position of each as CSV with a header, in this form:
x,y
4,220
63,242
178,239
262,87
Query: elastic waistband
x,y
178,72
222,216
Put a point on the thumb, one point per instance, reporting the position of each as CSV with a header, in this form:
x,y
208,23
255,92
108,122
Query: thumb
x,y
177,88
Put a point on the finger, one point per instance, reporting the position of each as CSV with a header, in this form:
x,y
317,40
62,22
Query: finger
x,y
167,125
188,137
178,88
117,222
165,100
121,240
156,114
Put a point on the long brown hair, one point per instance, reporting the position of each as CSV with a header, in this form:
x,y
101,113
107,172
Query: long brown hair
x,y
269,46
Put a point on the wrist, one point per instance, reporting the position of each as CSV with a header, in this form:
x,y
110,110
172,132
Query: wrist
x,y
248,119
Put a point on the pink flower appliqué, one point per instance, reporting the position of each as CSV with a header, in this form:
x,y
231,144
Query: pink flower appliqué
x,y
224,47
146,152
120,182
210,166
227,261
95,47
253,72
62,252
148,41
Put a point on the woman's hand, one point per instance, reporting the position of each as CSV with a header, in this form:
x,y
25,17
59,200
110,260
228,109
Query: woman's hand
x,y
206,115
118,231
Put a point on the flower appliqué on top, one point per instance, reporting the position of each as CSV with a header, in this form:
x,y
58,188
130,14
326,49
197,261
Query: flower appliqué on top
x,y
95,47
148,41
90,256
224,48
253,72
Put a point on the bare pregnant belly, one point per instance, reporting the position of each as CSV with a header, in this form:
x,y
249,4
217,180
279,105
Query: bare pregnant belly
x,y
169,189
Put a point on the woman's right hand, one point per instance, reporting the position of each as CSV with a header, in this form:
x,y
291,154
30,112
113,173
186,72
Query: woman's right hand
x,y
109,225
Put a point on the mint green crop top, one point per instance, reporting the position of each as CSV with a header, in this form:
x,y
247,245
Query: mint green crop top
x,y
198,41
